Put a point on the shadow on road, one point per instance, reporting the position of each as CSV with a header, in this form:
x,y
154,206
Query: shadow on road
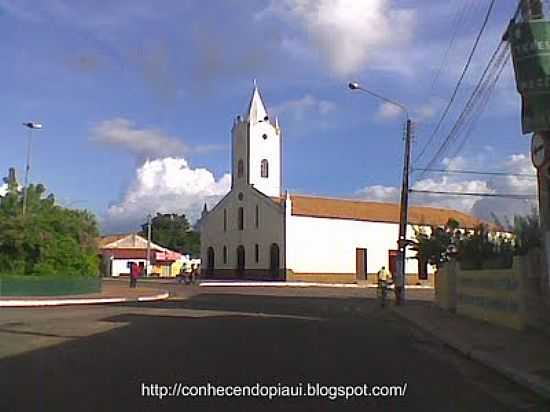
x,y
319,307
105,371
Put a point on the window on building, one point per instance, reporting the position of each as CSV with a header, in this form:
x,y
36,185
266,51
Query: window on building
x,y
225,220
241,218
240,168
225,255
257,253
265,168
257,218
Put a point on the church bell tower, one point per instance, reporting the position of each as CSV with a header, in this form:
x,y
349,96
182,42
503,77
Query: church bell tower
x,y
256,149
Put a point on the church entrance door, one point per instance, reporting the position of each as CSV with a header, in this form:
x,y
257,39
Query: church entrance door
x,y
240,261
210,261
274,265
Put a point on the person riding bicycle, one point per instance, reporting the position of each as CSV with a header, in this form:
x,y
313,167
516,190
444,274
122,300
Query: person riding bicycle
x,y
385,278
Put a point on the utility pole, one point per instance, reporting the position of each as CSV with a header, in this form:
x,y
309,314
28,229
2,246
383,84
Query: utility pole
x,y
530,66
403,217
148,245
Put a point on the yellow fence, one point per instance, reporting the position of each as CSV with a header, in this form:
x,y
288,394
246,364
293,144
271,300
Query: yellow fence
x,y
495,296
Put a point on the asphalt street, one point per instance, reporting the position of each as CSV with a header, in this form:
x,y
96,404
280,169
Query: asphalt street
x,y
97,358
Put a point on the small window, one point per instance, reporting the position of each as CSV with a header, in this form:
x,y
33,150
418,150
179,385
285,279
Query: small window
x,y
240,168
225,255
241,196
257,253
257,217
241,218
225,220
265,168
264,136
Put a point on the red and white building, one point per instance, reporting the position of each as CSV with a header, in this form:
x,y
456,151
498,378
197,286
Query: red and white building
x,y
119,251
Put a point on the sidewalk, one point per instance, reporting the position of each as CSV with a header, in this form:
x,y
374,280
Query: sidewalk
x,y
112,292
523,357
296,284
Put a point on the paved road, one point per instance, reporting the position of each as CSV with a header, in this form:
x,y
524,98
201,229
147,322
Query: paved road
x,y
94,358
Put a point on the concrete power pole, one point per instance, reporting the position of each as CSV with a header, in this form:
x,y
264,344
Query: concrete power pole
x,y
403,218
148,245
540,149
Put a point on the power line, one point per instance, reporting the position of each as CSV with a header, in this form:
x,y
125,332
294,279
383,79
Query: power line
x,y
476,172
503,195
483,104
460,80
457,22
481,93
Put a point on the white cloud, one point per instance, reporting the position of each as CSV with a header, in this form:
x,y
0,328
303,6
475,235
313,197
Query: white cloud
x,y
146,143
421,113
380,193
482,207
388,111
3,189
166,185
347,33
299,108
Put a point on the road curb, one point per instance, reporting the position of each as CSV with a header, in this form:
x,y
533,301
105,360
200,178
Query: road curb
x,y
527,380
19,303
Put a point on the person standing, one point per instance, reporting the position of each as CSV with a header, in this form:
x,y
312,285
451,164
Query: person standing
x,y
133,274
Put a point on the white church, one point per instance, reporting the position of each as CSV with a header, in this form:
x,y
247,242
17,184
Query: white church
x,y
258,232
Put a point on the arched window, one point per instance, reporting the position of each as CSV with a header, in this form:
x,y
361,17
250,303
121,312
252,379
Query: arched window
x,y
257,253
257,217
225,255
225,220
240,168
264,168
241,218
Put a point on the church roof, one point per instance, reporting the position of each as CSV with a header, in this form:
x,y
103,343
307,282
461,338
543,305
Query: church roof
x,y
375,211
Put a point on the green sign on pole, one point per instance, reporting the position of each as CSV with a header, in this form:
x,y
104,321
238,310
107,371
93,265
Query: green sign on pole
x,y
530,42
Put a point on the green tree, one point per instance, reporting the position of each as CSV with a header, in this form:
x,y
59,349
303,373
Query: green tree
x,y
432,246
48,239
174,232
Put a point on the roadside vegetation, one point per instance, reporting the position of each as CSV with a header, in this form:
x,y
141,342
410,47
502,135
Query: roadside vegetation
x,y
174,232
483,247
48,240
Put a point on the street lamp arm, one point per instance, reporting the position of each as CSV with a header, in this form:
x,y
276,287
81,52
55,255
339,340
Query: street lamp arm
x,y
402,107
357,86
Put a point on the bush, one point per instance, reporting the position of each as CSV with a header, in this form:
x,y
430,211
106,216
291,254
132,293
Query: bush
x,y
48,239
479,250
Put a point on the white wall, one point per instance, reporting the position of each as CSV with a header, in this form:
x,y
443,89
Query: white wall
x,y
121,266
321,245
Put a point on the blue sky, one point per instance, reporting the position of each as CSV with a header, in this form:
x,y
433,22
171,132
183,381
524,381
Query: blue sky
x,y
137,97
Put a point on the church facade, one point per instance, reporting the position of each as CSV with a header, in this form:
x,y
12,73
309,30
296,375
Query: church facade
x,y
258,232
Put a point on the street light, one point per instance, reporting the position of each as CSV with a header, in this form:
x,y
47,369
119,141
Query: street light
x,y
148,245
31,126
402,239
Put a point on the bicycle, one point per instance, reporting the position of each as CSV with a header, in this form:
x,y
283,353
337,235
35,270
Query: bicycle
x,y
382,292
